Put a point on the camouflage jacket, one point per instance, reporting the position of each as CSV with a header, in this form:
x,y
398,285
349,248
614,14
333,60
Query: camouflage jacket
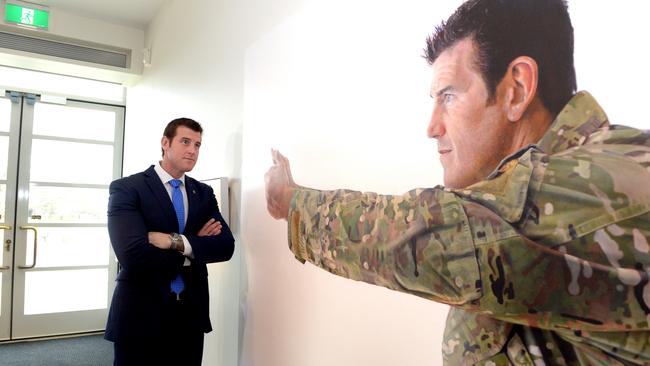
x,y
545,262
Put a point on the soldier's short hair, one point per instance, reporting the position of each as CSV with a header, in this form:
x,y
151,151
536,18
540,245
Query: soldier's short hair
x,y
503,30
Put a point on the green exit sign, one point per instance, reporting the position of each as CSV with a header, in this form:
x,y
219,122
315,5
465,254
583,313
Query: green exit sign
x,y
26,16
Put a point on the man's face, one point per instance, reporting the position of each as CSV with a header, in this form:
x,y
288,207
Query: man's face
x,y
181,152
471,131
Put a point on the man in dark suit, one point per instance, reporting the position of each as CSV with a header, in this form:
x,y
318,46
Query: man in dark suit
x,y
164,227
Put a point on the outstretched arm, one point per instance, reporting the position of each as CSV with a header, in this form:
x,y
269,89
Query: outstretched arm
x,y
473,248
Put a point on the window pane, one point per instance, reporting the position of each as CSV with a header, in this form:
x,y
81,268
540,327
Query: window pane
x,y
67,205
5,114
2,260
3,194
82,123
69,246
60,84
3,198
62,291
71,162
4,156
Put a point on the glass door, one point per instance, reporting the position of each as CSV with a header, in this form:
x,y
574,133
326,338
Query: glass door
x,y
9,133
63,268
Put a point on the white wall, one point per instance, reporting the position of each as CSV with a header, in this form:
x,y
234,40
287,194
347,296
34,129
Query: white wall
x,y
66,24
612,54
339,86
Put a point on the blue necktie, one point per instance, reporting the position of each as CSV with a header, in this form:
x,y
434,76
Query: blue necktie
x,y
177,285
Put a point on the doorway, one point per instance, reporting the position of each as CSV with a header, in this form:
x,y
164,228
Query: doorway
x,y
57,269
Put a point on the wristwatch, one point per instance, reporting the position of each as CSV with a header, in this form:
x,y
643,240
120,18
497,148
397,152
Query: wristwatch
x,y
176,241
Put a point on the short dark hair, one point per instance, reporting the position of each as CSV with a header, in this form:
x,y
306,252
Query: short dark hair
x,y
503,30
170,129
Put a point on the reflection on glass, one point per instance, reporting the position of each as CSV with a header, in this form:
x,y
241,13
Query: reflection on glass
x,y
3,198
69,246
4,156
67,205
81,123
71,162
5,114
62,291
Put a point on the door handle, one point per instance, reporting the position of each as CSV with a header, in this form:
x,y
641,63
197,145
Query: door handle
x,y
4,227
35,245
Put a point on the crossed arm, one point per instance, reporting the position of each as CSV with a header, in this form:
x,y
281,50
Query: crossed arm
x,y
144,252
164,241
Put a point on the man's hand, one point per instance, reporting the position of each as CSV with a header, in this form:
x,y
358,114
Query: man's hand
x,y
160,240
279,186
163,240
211,228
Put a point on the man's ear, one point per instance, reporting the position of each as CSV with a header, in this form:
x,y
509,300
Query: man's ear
x,y
164,143
521,79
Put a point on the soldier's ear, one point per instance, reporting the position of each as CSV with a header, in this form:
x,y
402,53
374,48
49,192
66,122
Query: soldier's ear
x,y
520,82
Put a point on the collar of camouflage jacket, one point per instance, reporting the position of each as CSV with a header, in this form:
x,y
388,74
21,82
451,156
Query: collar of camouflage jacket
x,y
579,118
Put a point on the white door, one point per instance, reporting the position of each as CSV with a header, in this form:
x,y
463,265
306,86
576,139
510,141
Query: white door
x,y
58,267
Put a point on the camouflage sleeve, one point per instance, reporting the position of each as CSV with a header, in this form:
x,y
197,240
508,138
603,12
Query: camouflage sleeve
x,y
418,243
498,247
422,242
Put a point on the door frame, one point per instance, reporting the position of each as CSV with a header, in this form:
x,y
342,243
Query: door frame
x,y
40,325
9,220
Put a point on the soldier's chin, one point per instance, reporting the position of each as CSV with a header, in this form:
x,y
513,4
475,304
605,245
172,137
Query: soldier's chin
x,y
448,182
451,181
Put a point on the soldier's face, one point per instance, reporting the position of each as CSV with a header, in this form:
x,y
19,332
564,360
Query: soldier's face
x,y
469,128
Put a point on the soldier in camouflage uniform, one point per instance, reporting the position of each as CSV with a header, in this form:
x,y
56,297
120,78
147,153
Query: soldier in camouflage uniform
x,y
545,260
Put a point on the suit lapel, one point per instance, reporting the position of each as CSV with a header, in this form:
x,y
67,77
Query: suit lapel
x,y
158,189
192,200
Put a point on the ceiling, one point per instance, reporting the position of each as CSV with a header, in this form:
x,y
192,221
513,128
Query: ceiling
x,y
132,13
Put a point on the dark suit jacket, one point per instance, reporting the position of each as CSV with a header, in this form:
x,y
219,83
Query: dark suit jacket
x,y
139,204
